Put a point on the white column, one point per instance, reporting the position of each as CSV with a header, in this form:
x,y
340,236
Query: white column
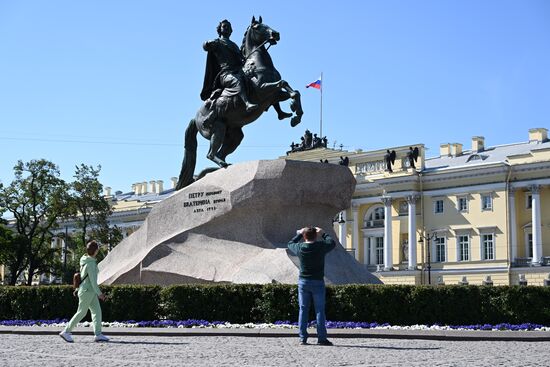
x,y
63,250
513,234
342,229
372,242
388,259
366,257
411,200
53,244
536,221
355,238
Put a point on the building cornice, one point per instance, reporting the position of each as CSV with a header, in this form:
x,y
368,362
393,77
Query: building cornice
x,y
530,167
389,181
462,172
359,200
499,269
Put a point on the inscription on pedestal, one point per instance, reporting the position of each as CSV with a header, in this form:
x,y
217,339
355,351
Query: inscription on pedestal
x,y
205,201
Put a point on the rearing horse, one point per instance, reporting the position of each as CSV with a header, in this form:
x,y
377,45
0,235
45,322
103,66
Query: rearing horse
x,y
267,89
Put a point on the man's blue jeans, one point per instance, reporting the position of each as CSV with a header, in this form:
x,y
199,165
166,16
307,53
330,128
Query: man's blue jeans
x,y
309,289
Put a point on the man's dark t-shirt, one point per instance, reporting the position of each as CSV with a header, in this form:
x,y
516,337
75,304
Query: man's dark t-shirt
x,y
312,255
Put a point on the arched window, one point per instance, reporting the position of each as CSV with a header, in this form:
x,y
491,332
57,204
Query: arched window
x,y
374,217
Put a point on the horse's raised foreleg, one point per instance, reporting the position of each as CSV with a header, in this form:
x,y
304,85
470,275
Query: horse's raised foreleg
x,y
266,87
295,105
216,141
233,138
280,113
288,88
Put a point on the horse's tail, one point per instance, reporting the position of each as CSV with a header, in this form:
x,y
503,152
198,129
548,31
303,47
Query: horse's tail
x,y
189,156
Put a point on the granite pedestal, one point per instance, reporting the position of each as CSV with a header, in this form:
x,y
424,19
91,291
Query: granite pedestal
x,y
232,226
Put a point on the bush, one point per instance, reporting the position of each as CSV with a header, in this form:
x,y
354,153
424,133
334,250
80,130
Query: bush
x,y
528,304
240,303
277,302
451,305
232,302
36,303
350,302
131,302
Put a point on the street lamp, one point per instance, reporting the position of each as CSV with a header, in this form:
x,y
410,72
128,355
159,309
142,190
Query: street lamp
x,y
428,251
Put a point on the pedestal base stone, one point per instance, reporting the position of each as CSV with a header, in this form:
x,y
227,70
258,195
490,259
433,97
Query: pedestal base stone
x,y
232,226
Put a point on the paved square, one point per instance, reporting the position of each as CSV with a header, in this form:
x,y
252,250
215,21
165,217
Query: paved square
x,y
50,350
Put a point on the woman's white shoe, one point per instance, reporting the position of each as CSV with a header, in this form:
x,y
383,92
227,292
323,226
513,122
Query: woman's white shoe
x,y
66,336
101,338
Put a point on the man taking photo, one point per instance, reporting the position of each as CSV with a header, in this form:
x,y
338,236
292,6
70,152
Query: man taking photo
x,y
311,245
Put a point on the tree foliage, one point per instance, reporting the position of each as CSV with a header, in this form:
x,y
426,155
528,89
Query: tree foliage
x,y
90,211
37,200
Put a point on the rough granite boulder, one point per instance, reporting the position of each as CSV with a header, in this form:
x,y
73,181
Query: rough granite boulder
x,y
232,226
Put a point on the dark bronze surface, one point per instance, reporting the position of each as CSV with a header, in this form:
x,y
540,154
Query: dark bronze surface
x,y
239,85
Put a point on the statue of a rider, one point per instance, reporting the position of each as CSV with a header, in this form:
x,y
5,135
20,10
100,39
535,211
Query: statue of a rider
x,y
223,72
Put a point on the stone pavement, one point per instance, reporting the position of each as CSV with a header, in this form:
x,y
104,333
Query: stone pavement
x,y
202,347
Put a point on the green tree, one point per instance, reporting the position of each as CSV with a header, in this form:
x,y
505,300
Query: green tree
x,y
110,236
12,252
8,248
7,245
90,211
37,200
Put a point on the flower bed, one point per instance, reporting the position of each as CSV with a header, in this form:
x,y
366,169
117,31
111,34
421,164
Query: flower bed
x,y
276,325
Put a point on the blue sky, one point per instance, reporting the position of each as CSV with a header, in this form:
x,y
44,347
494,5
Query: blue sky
x,y
116,82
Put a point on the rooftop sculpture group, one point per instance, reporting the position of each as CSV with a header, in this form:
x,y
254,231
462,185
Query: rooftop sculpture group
x,y
308,141
412,157
344,161
239,85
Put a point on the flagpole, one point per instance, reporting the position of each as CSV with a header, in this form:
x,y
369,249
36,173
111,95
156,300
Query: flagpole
x,y
321,115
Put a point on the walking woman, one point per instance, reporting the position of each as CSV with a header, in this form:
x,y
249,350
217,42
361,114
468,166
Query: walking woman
x,y
89,295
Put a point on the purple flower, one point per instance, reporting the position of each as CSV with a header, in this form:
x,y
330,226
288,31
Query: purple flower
x,y
330,324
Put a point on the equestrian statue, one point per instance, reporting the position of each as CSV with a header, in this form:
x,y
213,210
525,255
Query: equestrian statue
x,y
239,85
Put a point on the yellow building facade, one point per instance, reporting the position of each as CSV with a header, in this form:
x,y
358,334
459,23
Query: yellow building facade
x,y
477,215
473,216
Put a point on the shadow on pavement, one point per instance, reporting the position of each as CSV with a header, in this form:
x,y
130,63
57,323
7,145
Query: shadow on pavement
x,y
142,342
377,347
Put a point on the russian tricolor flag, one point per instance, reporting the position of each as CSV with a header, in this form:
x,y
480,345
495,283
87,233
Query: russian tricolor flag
x,y
316,84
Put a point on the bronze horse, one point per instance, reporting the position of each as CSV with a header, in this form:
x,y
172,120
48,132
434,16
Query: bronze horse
x,y
266,89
